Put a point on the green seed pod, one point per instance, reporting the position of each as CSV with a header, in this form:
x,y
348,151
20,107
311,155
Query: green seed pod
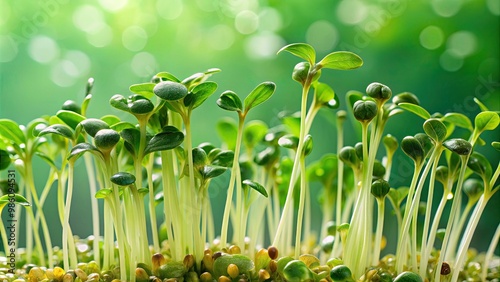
x,y
341,273
378,169
297,270
200,158
308,145
267,156
406,97
141,106
413,149
170,91
442,174
300,72
380,188
359,150
123,178
408,276
480,165
365,111
390,143
473,188
327,244
379,91
93,125
106,139
425,141
331,228
348,156
71,105
458,146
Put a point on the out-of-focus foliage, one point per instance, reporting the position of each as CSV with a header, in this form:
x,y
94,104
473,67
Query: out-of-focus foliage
x,y
446,52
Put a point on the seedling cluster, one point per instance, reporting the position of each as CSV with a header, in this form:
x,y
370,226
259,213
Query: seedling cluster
x,y
138,168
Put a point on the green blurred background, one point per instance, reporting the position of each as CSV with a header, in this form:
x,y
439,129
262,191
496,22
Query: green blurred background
x,y
445,51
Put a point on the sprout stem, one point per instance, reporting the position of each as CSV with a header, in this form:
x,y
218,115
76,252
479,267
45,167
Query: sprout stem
x,y
300,214
490,252
378,234
234,171
287,211
455,206
95,208
152,212
340,184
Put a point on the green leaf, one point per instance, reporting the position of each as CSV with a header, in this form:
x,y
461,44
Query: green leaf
x,y
59,129
341,60
72,119
230,101
48,160
481,105
289,141
119,102
103,193
267,157
323,92
93,125
4,159
398,195
10,130
416,109
259,95
405,97
141,107
167,76
132,137
222,158
18,200
256,186
123,179
408,276
458,146
413,148
202,91
106,139
35,126
86,101
122,125
301,50
170,91
110,119
168,139
480,165
253,133
486,121
435,129
458,119
496,145
80,148
296,271
212,171
227,130
145,89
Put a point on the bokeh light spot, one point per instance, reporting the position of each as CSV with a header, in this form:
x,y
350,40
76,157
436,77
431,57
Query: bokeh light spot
x,y
101,37
144,64
169,9
493,6
220,37
270,19
43,49
450,62
8,49
80,60
88,18
431,37
64,73
446,8
5,8
134,38
462,43
352,11
322,35
246,22
263,45
113,5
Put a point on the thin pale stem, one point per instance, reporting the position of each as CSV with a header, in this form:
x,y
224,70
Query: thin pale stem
x,y
489,253
300,214
378,234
